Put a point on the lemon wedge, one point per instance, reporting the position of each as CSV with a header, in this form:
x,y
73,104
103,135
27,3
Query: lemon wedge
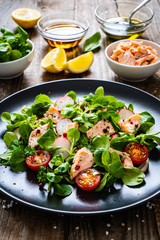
x,y
80,64
54,60
26,17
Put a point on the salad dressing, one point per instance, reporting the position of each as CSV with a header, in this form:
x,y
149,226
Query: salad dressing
x,y
119,27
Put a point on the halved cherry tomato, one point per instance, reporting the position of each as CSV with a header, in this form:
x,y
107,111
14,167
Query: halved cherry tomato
x,y
41,158
88,179
138,152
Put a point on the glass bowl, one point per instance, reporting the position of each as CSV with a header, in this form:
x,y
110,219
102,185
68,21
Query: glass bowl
x,y
63,30
113,20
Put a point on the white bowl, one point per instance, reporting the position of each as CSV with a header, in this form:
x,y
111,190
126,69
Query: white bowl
x,y
132,73
15,68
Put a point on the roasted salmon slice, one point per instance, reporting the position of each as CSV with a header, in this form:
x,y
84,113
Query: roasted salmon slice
x,y
36,133
103,127
54,114
83,159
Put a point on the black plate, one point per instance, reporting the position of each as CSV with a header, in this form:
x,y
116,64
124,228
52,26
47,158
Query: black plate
x,y
23,186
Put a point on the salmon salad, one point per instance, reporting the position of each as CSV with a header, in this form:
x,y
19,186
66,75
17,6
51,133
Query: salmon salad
x,y
89,142
134,53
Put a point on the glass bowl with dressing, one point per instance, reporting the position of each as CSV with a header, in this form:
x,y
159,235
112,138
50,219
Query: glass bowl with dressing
x,y
62,30
113,19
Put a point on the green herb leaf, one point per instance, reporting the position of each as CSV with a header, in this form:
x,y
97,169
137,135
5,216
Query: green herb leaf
x,y
51,177
99,92
6,117
133,177
73,136
15,54
42,175
24,131
9,137
147,121
62,189
17,161
72,94
62,168
93,42
47,138
101,141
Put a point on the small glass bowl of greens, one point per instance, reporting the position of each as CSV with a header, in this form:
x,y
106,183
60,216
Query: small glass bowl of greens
x,y
16,52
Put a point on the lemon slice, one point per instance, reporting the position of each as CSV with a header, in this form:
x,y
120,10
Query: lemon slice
x,y
54,61
80,64
26,17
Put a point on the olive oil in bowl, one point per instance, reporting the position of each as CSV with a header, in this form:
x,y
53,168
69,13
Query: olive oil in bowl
x,y
63,31
119,27
63,35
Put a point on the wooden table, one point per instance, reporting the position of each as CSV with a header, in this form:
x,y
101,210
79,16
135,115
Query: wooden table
x,y
19,222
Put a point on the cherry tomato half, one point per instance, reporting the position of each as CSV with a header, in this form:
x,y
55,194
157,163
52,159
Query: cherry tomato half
x,y
41,158
88,179
138,152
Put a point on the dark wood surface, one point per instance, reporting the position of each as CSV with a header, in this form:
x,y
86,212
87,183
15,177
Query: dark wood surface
x,y
21,222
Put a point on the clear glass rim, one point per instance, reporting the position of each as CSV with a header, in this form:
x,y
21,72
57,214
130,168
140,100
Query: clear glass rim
x,y
104,5
41,30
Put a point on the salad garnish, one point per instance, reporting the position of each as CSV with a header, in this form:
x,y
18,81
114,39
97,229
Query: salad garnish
x,y
90,142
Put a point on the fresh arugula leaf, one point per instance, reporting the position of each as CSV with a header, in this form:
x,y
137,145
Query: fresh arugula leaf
x,y
93,42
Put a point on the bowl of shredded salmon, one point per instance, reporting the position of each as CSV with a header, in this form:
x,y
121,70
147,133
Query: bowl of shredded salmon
x,y
133,60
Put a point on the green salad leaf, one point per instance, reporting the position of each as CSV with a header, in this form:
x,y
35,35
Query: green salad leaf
x,y
93,42
133,177
13,46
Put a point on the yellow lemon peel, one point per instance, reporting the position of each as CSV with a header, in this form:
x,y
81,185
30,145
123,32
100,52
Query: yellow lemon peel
x,y
54,60
80,64
26,17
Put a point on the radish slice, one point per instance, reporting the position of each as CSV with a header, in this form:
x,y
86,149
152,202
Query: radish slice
x,y
51,165
62,142
143,167
16,131
114,136
62,125
80,100
63,101
125,113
